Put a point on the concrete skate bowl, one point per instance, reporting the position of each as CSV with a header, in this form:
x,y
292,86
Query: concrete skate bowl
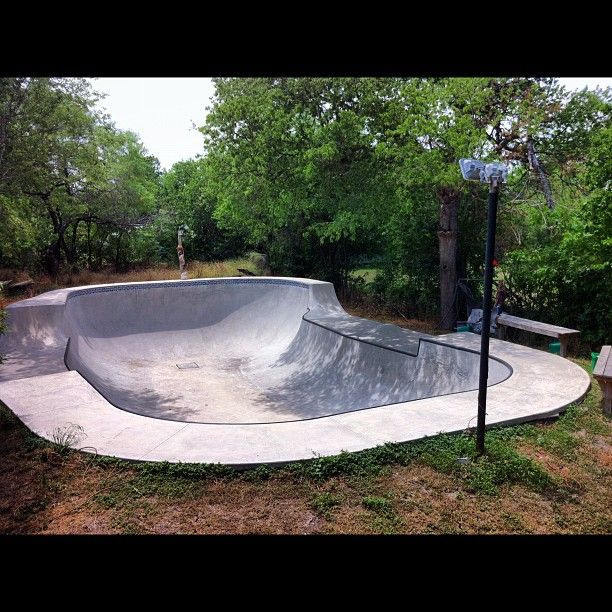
x,y
240,351
252,371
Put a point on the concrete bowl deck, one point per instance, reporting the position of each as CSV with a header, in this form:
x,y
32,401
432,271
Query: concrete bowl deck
x,y
247,371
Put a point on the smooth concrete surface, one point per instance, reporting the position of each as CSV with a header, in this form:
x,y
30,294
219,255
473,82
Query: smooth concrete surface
x,y
283,372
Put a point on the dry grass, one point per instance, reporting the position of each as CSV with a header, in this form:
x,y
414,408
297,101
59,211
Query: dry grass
x,y
43,490
196,269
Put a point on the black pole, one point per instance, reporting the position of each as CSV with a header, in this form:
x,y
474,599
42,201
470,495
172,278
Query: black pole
x,y
486,317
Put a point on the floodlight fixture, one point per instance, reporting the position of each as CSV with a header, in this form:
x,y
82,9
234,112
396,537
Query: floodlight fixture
x,y
495,171
472,169
475,170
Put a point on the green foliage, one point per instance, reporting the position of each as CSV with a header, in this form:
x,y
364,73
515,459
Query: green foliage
x,y
293,162
502,464
325,176
565,276
193,471
73,188
380,505
187,198
386,521
259,474
324,504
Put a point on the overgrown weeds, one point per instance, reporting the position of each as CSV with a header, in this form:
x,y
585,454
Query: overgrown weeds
x,y
324,504
67,437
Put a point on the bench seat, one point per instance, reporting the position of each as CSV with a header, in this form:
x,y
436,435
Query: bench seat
x,y
603,375
537,327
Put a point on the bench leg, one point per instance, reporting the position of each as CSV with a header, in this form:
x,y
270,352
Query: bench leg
x,y
606,390
563,349
501,332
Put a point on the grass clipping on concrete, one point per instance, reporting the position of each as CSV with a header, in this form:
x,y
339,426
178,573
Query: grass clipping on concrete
x,y
550,477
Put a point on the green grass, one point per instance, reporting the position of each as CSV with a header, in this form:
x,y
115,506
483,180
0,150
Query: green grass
x,y
502,464
324,504
562,438
385,520
379,505
165,480
366,275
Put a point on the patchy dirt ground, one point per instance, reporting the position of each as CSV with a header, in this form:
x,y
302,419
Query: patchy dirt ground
x,y
44,489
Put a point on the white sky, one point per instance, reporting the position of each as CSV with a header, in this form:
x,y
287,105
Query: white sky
x,y
162,110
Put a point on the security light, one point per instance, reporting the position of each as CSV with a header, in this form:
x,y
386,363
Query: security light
x,y
475,170
472,169
495,171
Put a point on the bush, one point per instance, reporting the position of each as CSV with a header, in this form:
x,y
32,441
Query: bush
x,y
569,282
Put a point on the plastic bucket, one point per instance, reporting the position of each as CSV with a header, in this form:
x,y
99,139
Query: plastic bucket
x,y
594,357
555,347
462,328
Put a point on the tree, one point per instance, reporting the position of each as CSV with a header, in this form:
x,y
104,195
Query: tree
x,y
532,124
432,132
188,198
294,164
63,162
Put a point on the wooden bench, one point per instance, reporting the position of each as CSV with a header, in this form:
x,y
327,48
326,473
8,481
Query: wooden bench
x,y
11,286
546,329
603,375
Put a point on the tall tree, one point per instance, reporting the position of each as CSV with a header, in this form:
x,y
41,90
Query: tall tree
x,y
63,161
430,136
188,197
294,161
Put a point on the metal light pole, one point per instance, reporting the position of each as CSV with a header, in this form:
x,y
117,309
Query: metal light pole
x,y
493,174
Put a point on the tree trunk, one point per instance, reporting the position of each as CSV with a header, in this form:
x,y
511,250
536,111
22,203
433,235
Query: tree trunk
x,y
117,252
53,258
89,245
70,250
447,240
73,243
542,177
53,255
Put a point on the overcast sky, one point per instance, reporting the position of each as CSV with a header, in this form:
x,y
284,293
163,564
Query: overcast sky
x,y
162,111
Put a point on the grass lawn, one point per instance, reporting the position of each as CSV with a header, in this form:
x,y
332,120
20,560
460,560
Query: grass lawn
x,y
550,477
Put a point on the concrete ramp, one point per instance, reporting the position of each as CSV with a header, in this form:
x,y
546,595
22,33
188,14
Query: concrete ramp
x,y
258,350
